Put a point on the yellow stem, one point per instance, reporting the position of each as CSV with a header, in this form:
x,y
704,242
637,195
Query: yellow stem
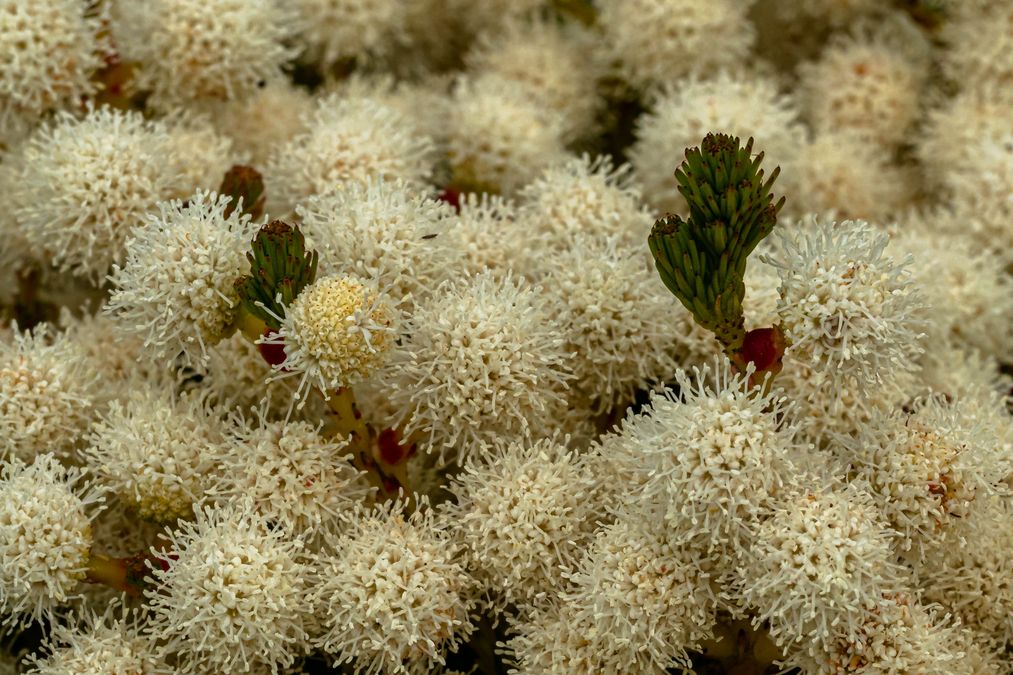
x,y
249,325
123,574
348,423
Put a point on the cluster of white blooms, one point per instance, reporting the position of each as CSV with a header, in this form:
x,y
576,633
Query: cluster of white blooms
x,y
745,104
45,536
333,339
50,50
177,285
230,594
394,596
240,42
94,643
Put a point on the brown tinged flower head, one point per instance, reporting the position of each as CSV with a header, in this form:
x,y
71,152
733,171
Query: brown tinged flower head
x,y
702,259
928,468
821,564
244,183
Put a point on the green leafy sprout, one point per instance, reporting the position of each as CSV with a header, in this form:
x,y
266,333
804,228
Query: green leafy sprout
x,y
702,259
280,267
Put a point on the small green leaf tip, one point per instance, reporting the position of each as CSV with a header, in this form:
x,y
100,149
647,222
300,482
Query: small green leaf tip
x,y
280,267
702,259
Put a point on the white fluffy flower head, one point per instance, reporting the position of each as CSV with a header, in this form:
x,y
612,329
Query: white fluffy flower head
x,y
848,309
966,148
582,196
201,152
46,394
661,41
267,119
616,317
385,231
928,467
478,232
295,476
745,105
554,638
177,285
99,645
348,140
337,332
393,597
155,451
117,356
204,49
485,363
968,292
643,593
559,67
335,30
820,564
87,182
897,636
45,536
969,569
838,171
522,512
500,138
980,49
50,48
865,83
715,458
230,594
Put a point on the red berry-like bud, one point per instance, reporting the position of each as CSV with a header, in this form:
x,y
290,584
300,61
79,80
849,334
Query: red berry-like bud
x,y
451,196
273,353
391,450
764,348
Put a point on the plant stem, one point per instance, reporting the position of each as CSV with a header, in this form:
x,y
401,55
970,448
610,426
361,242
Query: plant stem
x,y
379,455
127,574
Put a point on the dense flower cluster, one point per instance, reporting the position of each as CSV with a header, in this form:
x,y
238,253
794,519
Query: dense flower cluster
x,y
446,336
